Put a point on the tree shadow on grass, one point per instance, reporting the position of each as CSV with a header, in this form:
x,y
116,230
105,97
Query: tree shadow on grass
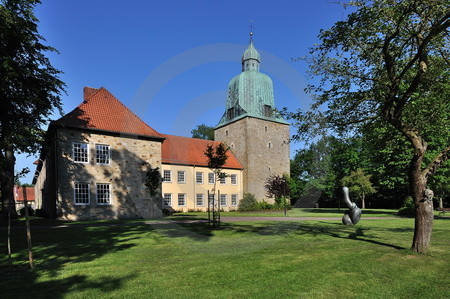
x,y
343,209
20,287
53,250
201,232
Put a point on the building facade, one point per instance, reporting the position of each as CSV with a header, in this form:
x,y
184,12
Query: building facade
x,y
187,180
95,161
250,126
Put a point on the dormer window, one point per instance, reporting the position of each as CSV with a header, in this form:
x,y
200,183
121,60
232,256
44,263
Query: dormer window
x,y
230,113
268,111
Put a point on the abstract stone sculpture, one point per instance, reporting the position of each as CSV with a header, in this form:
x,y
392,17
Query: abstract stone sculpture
x,y
353,214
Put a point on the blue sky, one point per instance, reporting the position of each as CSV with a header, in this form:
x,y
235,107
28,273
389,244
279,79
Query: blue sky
x,y
171,61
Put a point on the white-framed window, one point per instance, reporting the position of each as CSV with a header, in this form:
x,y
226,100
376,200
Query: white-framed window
x,y
199,177
167,176
168,199
200,200
234,200
211,178
223,200
103,194
181,176
81,194
233,179
223,180
80,152
181,199
102,153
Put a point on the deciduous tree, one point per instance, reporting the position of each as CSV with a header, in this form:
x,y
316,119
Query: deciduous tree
x,y
359,184
30,89
388,60
203,132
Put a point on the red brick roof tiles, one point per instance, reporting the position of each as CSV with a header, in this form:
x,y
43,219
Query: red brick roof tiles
x,y
190,151
18,193
102,111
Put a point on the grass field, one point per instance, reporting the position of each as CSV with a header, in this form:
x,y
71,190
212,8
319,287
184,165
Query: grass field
x,y
302,259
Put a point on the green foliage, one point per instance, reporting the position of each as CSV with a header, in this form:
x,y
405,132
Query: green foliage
x,y
359,184
203,132
387,62
153,180
408,208
217,156
248,203
30,88
263,206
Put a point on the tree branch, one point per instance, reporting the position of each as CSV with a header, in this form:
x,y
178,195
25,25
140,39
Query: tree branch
x,y
436,163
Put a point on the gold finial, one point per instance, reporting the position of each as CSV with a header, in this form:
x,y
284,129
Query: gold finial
x,y
251,28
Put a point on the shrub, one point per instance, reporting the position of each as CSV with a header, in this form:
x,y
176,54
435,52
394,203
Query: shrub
x,y
30,211
408,208
280,206
263,205
248,203
168,211
41,213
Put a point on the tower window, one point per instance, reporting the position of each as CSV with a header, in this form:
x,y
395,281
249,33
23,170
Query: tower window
x,y
226,133
265,129
268,110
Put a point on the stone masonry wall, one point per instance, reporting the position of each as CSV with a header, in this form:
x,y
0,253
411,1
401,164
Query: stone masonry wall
x,y
261,146
129,161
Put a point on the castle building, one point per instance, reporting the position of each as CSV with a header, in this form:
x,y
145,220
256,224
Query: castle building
x,y
96,158
252,129
95,161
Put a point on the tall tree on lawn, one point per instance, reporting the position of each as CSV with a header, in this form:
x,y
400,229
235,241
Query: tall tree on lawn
x,y
30,89
388,61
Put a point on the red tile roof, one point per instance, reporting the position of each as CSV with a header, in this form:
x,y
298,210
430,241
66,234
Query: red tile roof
x,y
190,151
102,111
18,193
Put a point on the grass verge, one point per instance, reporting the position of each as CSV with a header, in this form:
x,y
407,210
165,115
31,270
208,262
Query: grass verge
x,y
241,259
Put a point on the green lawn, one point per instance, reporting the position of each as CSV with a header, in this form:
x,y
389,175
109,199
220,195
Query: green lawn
x,y
306,259
298,213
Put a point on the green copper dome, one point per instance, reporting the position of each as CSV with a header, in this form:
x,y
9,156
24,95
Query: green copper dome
x,y
251,53
250,94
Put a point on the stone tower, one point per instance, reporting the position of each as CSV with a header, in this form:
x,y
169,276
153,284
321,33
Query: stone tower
x,y
255,133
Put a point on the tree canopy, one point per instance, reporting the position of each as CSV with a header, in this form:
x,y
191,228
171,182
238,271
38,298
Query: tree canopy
x,y
203,132
387,62
30,88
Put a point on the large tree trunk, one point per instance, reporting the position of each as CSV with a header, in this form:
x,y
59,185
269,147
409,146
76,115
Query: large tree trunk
x,y
7,163
424,207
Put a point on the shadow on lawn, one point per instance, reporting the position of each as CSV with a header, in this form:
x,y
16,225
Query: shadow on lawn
x,y
201,232
343,209
53,248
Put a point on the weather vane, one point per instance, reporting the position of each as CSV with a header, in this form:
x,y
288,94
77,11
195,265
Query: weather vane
x,y
251,28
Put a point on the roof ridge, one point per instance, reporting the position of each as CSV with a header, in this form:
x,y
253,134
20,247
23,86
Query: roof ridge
x,y
134,114
89,92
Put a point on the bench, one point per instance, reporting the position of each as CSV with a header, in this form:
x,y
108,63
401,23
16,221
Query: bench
x,y
443,210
